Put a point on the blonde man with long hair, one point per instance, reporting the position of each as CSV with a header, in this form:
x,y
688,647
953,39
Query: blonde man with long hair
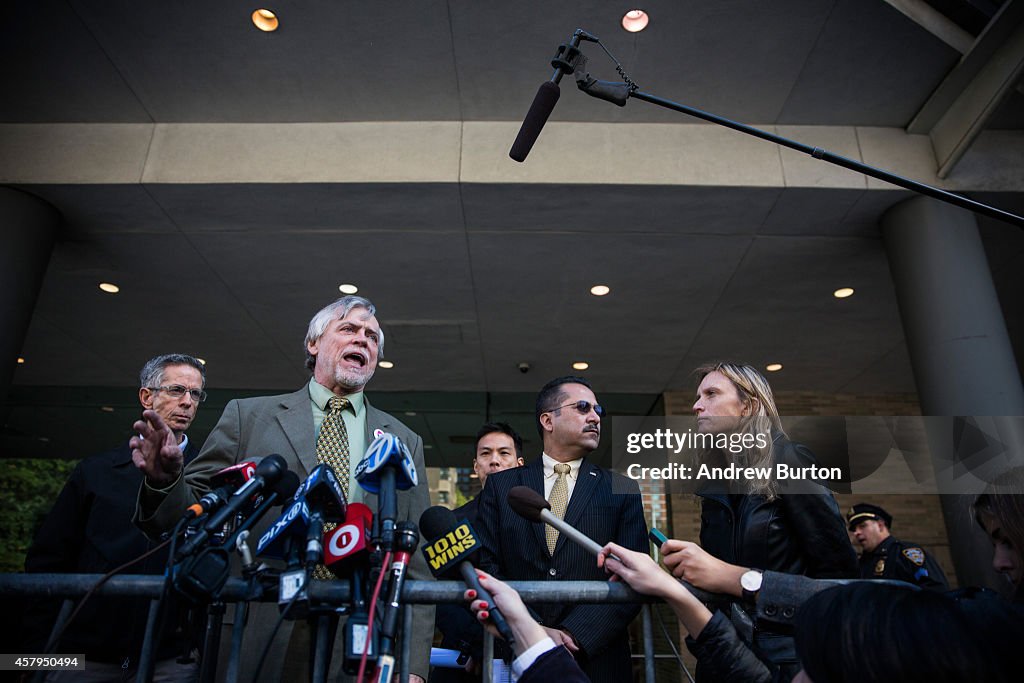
x,y
757,527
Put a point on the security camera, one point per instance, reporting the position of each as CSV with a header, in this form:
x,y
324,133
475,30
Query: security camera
x,y
524,367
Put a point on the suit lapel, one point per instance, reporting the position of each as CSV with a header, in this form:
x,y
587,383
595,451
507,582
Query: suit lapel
x,y
533,476
586,484
296,420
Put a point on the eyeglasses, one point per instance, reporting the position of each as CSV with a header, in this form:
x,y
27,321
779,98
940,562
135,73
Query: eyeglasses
x,y
177,391
582,407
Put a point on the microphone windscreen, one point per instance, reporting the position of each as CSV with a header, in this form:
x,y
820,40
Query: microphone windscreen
x,y
540,110
436,521
271,468
527,503
287,487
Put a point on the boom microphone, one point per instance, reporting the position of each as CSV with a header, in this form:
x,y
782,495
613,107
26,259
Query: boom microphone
x,y
546,98
543,104
448,546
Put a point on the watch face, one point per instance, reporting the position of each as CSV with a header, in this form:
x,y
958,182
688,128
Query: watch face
x,y
751,580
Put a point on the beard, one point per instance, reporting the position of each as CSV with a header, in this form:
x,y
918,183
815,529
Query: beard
x,y
352,379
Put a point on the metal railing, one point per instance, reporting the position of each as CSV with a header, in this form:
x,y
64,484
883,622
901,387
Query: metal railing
x,y
338,593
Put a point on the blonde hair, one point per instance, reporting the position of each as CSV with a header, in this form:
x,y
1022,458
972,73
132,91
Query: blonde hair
x,y
755,392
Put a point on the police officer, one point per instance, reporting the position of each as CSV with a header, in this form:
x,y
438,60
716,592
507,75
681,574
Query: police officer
x,y
887,557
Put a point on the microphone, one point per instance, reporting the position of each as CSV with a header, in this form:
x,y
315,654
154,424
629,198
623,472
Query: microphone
x,y
406,539
326,503
276,541
345,554
222,484
546,98
204,575
346,546
543,104
448,546
387,468
531,506
268,472
323,492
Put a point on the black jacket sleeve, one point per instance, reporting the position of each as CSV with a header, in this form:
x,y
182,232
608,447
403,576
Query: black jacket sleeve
x,y
723,657
812,511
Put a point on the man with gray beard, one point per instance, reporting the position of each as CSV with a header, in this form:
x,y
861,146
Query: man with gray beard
x,y
343,343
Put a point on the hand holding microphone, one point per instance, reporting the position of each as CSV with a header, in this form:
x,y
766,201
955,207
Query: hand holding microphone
x,y
497,595
449,546
530,505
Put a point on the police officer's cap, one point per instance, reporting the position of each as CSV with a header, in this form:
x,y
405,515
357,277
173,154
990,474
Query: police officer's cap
x,y
861,511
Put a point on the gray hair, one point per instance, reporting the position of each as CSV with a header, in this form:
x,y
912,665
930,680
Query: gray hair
x,y
152,373
337,311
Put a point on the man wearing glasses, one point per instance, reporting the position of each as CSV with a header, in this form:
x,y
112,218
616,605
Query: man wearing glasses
x,y
328,420
603,505
90,531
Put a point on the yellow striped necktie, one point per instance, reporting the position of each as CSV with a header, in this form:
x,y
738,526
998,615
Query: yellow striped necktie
x,y
332,450
559,500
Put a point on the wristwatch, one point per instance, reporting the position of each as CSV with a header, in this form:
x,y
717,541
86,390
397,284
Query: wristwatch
x,y
750,582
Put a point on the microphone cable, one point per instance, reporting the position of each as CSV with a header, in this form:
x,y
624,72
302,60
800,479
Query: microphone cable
x,y
273,634
55,639
369,619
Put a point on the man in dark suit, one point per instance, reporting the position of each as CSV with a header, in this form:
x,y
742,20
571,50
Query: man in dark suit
x,y
343,343
603,505
90,530
498,447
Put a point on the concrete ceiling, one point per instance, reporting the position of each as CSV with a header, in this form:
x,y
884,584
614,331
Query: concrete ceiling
x,y
471,278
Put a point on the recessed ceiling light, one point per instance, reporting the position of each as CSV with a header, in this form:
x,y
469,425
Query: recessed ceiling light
x,y
580,365
107,409
773,367
265,20
427,446
386,364
348,289
410,413
600,290
635,20
843,292
109,288
21,361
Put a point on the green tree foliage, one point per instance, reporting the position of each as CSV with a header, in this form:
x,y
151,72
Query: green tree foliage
x,y
28,489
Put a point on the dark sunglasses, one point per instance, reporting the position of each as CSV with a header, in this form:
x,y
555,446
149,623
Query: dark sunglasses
x,y
582,407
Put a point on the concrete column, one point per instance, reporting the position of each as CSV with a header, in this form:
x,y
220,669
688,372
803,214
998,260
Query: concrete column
x,y
959,349
27,229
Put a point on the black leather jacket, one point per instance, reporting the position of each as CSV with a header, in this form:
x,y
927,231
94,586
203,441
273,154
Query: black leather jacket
x,y
800,531
796,533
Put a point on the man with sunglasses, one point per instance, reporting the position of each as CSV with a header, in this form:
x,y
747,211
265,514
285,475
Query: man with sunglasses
x,y
603,505
90,531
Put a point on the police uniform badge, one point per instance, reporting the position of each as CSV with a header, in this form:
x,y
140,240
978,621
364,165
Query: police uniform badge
x,y
915,555
880,567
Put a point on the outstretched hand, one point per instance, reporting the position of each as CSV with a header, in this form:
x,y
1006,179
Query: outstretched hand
x,y
637,569
155,450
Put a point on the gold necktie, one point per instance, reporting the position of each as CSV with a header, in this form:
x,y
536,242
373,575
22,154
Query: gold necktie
x,y
559,500
332,450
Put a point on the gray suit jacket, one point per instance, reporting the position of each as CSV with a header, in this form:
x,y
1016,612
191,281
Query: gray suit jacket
x,y
256,427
